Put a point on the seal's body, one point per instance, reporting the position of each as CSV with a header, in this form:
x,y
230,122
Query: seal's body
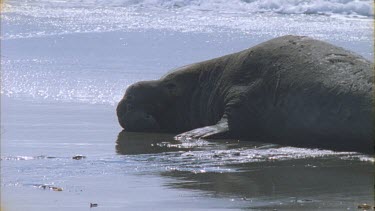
x,y
290,90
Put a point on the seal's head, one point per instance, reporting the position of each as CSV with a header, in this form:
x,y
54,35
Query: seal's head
x,y
136,111
156,106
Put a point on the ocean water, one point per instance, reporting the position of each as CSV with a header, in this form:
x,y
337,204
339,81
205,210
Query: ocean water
x,y
66,63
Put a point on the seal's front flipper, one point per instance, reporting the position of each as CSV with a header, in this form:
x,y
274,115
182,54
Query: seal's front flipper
x,y
220,130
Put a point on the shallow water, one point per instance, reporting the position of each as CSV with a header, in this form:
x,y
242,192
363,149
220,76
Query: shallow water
x,y
65,65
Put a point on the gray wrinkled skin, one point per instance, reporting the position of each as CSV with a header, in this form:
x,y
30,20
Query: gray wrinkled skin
x,y
290,90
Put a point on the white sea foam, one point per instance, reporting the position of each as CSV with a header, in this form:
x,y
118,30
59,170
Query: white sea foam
x,y
218,158
264,17
345,7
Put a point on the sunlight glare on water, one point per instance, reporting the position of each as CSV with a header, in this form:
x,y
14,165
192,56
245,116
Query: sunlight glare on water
x,y
68,76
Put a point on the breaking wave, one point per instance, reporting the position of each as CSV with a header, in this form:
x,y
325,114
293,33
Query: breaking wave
x,y
327,7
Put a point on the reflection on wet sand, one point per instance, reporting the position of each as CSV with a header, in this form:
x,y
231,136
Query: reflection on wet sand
x,y
324,180
289,183
131,143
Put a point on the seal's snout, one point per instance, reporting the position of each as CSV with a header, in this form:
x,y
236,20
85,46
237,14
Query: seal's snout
x,y
135,120
121,111
138,121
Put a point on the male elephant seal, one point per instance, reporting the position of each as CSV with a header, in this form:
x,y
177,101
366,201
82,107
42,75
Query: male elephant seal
x,y
290,90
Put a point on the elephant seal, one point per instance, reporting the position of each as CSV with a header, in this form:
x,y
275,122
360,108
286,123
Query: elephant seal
x,y
291,90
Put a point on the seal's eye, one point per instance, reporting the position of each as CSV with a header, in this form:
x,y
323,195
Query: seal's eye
x,y
170,86
148,116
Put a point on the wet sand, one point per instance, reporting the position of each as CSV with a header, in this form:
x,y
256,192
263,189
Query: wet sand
x,y
140,171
